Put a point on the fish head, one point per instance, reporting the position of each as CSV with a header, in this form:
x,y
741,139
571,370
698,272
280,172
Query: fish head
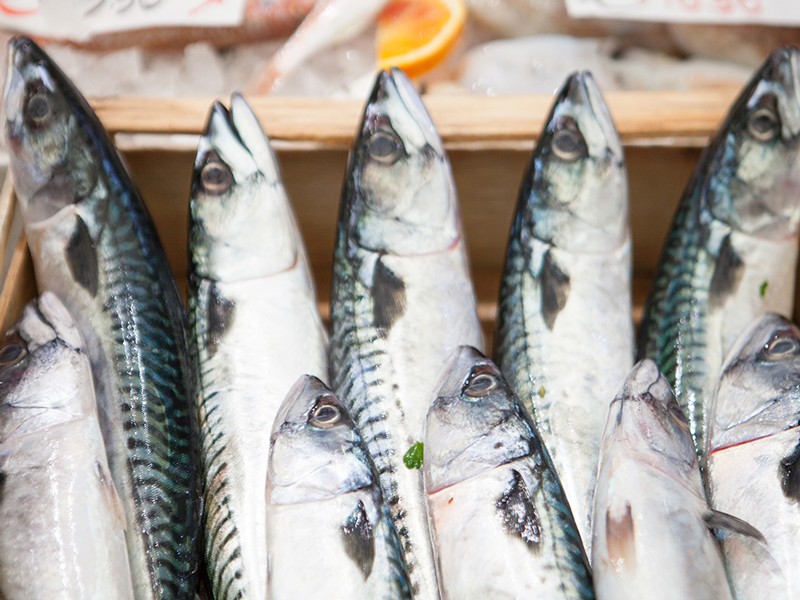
x,y
45,378
49,128
759,389
575,193
242,225
399,196
316,451
475,424
645,420
752,179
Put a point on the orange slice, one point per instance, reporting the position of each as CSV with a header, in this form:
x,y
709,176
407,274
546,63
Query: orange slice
x,y
416,35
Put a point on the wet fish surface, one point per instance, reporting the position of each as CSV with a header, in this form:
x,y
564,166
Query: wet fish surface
x,y
491,486
402,299
330,535
93,244
732,249
652,536
63,526
754,437
254,321
564,337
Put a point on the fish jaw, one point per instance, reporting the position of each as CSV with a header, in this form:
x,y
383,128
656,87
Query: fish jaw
x,y
575,194
237,182
757,395
399,195
316,452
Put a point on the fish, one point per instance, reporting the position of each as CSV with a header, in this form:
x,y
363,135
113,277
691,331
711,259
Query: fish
x,y
654,534
256,328
63,525
754,446
501,523
564,336
402,298
731,252
94,245
330,534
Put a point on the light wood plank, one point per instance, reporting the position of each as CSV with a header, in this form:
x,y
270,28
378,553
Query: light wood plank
x,y
462,119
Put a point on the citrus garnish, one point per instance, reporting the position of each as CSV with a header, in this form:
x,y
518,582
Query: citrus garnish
x,y
416,35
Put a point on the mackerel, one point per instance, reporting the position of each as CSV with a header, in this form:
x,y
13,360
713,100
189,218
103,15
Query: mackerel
x,y
652,526
94,245
501,524
402,299
732,249
330,535
63,526
255,324
754,436
564,336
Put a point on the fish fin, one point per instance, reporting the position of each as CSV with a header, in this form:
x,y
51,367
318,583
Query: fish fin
x,y
555,289
518,514
790,475
218,318
727,274
110,494
715,519
82,257
389,294
621,537
359,541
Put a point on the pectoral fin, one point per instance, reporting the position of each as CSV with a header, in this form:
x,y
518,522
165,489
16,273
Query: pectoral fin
x,y
359,540
518,514
727,274
555,289
82,257
111,496
389,296
621,538
719,520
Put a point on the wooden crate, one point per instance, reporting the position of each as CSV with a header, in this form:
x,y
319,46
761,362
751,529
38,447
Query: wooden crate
x,y
489,142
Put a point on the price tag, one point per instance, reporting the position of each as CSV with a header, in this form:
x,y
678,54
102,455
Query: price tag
x,y
751,12
80,19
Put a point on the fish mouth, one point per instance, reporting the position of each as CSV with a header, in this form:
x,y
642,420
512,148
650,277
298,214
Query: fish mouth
x,y
582,90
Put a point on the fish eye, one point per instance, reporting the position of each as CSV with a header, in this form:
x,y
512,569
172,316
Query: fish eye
x,y
781,346
39,108
568,143
763,124
385,147
325,414
216,177
481,383
12,352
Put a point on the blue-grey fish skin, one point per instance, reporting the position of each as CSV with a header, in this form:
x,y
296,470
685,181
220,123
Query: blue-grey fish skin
x,y
732,247
95,246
